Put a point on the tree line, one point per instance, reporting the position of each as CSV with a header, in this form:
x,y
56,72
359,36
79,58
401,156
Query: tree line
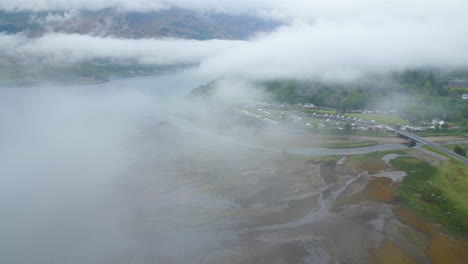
x,y
417,94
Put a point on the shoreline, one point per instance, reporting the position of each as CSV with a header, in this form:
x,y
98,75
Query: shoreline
x,y
78,83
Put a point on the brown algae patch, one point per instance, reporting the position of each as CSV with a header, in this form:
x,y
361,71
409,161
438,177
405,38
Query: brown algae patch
x,y
390,253
372,166
441,249
368,162
378,189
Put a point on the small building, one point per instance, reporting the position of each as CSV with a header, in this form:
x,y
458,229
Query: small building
x,y
437,121
458,83
465,96
411,128
406,127
308,105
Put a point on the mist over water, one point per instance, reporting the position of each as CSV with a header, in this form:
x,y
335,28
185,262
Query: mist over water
x,y
62,151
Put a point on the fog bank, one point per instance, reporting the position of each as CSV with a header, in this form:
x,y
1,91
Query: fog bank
x,y
74,48
63,152
340,41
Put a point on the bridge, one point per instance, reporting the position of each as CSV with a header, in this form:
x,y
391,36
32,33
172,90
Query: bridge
x,y
422,140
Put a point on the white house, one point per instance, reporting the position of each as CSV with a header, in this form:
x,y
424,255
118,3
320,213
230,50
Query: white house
x,y
406,127
309,105
437,121
465,96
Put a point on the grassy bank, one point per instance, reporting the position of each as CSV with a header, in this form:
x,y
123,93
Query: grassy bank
x,y
352,144
442,132
438,194
454,160
463,146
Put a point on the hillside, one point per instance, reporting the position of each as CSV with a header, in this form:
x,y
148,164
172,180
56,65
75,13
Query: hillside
x,y
174,23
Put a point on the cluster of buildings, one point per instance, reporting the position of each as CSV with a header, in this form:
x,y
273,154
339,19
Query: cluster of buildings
x,y
259,117
411,128
338,121
458,83
431,125
365,111
331,120
308,105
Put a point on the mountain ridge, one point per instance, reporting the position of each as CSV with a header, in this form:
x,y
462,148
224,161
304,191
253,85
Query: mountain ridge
x,y
167,23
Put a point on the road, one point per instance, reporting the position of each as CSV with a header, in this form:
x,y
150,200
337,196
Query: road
x,y
359,150
432,144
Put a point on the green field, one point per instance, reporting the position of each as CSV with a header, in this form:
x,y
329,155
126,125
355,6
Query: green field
x,y
438,194
442,132
443,154
382,118
463,146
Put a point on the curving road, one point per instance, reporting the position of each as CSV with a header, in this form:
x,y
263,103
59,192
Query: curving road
x,y
357,150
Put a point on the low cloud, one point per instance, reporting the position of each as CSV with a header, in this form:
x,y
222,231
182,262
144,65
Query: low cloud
x,y
51,18
333,50
332,40
64,149
73,48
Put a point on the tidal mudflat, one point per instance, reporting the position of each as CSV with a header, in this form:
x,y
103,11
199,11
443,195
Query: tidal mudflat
x,y
194,197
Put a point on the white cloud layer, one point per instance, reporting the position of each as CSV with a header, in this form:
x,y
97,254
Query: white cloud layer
x,y
337,39
335,50
72,48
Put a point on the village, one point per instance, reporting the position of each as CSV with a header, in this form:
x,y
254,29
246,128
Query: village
x,y
312,118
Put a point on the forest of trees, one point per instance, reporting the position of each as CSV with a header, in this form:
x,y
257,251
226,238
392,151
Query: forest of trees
x,y
417,94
